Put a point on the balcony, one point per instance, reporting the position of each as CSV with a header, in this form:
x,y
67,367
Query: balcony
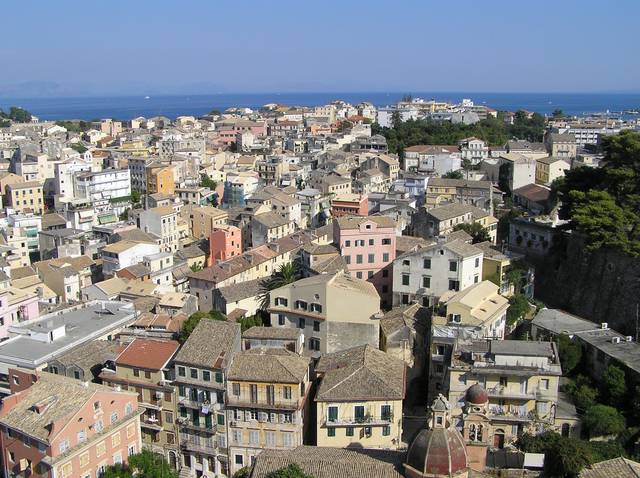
x,y
153,404
203,406
151,424
501,391
367,420
515,414
194,443
244,402
200,426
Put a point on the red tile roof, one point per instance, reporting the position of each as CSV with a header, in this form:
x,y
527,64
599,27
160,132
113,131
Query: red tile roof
x,y
149,354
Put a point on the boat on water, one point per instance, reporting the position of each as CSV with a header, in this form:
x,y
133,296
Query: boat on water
x,y
147,97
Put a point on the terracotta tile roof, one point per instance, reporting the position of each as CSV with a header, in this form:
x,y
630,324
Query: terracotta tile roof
x,y
149,354
269,365
360,373
615,468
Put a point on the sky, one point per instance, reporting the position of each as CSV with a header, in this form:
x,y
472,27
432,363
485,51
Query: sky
x,y
80,48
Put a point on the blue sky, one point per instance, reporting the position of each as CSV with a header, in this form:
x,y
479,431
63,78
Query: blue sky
x,y
218,46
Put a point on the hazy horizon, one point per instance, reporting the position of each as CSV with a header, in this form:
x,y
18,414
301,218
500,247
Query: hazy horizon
x,y
73,48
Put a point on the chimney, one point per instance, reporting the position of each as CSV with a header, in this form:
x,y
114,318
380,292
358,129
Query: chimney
x,y
604,325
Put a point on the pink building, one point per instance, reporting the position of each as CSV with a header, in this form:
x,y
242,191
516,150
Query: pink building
x,y
57,426
368,246
16,305
225,242
348,204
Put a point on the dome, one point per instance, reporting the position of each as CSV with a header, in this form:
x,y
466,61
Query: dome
x,y
438,451
476,395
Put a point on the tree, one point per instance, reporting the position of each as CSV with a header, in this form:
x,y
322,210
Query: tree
x,y
614,386
516,274
476,230
16,114
557,113
207,182
196,267
584,396
518,308
570,353
251,321
344,126
243,472
286,274
194,319
124,215
135,197
564,456
290,471
145,464
79,147
214,112
603,420
453,175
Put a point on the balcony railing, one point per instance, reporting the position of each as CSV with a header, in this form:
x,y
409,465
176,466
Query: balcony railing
x,y
245,402
191,443
368,420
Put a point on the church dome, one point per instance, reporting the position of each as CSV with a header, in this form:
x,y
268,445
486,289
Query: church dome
x,y
439,449
476,395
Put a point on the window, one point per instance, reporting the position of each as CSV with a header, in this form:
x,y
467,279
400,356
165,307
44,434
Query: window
x,y
84,460
194,373
477,262
282,301
332,414
405,299
386,431
358,258
314,344
253,390
254,437
239,459
100,448
287,439
115,439
128,409
96,405
131,450
136,372
235,389
369,274
385,272
386,242
426,282
475,279
544,383
280,319
219,377
385,257
371,258
405,279
455,318
316,326
147,374
182,372
301,323
99,426
316,308
358,413
270,438
454,285
426,263
301,304
371,242
114,417
406,262
82,436
331,432
349,431
347,260
347,243
385,412
286,392
64,446
168,417
453,266
206,375
220,419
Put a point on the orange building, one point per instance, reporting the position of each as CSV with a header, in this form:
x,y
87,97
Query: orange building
x,y
57,426
225,242
160,180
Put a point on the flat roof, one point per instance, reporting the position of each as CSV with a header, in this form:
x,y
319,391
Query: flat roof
x,y
81,324
558,321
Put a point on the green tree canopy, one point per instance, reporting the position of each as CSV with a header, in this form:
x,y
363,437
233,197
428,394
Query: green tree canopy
x,y
570,353
477,231
584,396
614,385
19,115
79,147
145,464
207,182
290,471
518,308
287,273
603,203
195,318
453,175
603,420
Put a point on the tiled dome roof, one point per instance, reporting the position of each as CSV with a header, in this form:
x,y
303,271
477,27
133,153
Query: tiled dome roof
x,y
477,395
439,451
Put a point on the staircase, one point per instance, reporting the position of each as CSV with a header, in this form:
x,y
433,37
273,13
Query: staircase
x,y
185,472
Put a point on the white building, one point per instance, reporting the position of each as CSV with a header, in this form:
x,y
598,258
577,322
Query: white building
x,y
124,254
426,273
163,222
474,150
103,187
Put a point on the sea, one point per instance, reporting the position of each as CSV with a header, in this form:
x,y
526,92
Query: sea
x,y
127,107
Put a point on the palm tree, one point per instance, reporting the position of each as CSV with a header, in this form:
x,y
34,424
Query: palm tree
x,y
287,273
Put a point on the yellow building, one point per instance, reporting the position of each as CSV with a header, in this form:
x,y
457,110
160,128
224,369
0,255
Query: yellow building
x,y
479,307
25,197
144,367
551,168
495,265
521,380
267,403
359,399
203,219
160,179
